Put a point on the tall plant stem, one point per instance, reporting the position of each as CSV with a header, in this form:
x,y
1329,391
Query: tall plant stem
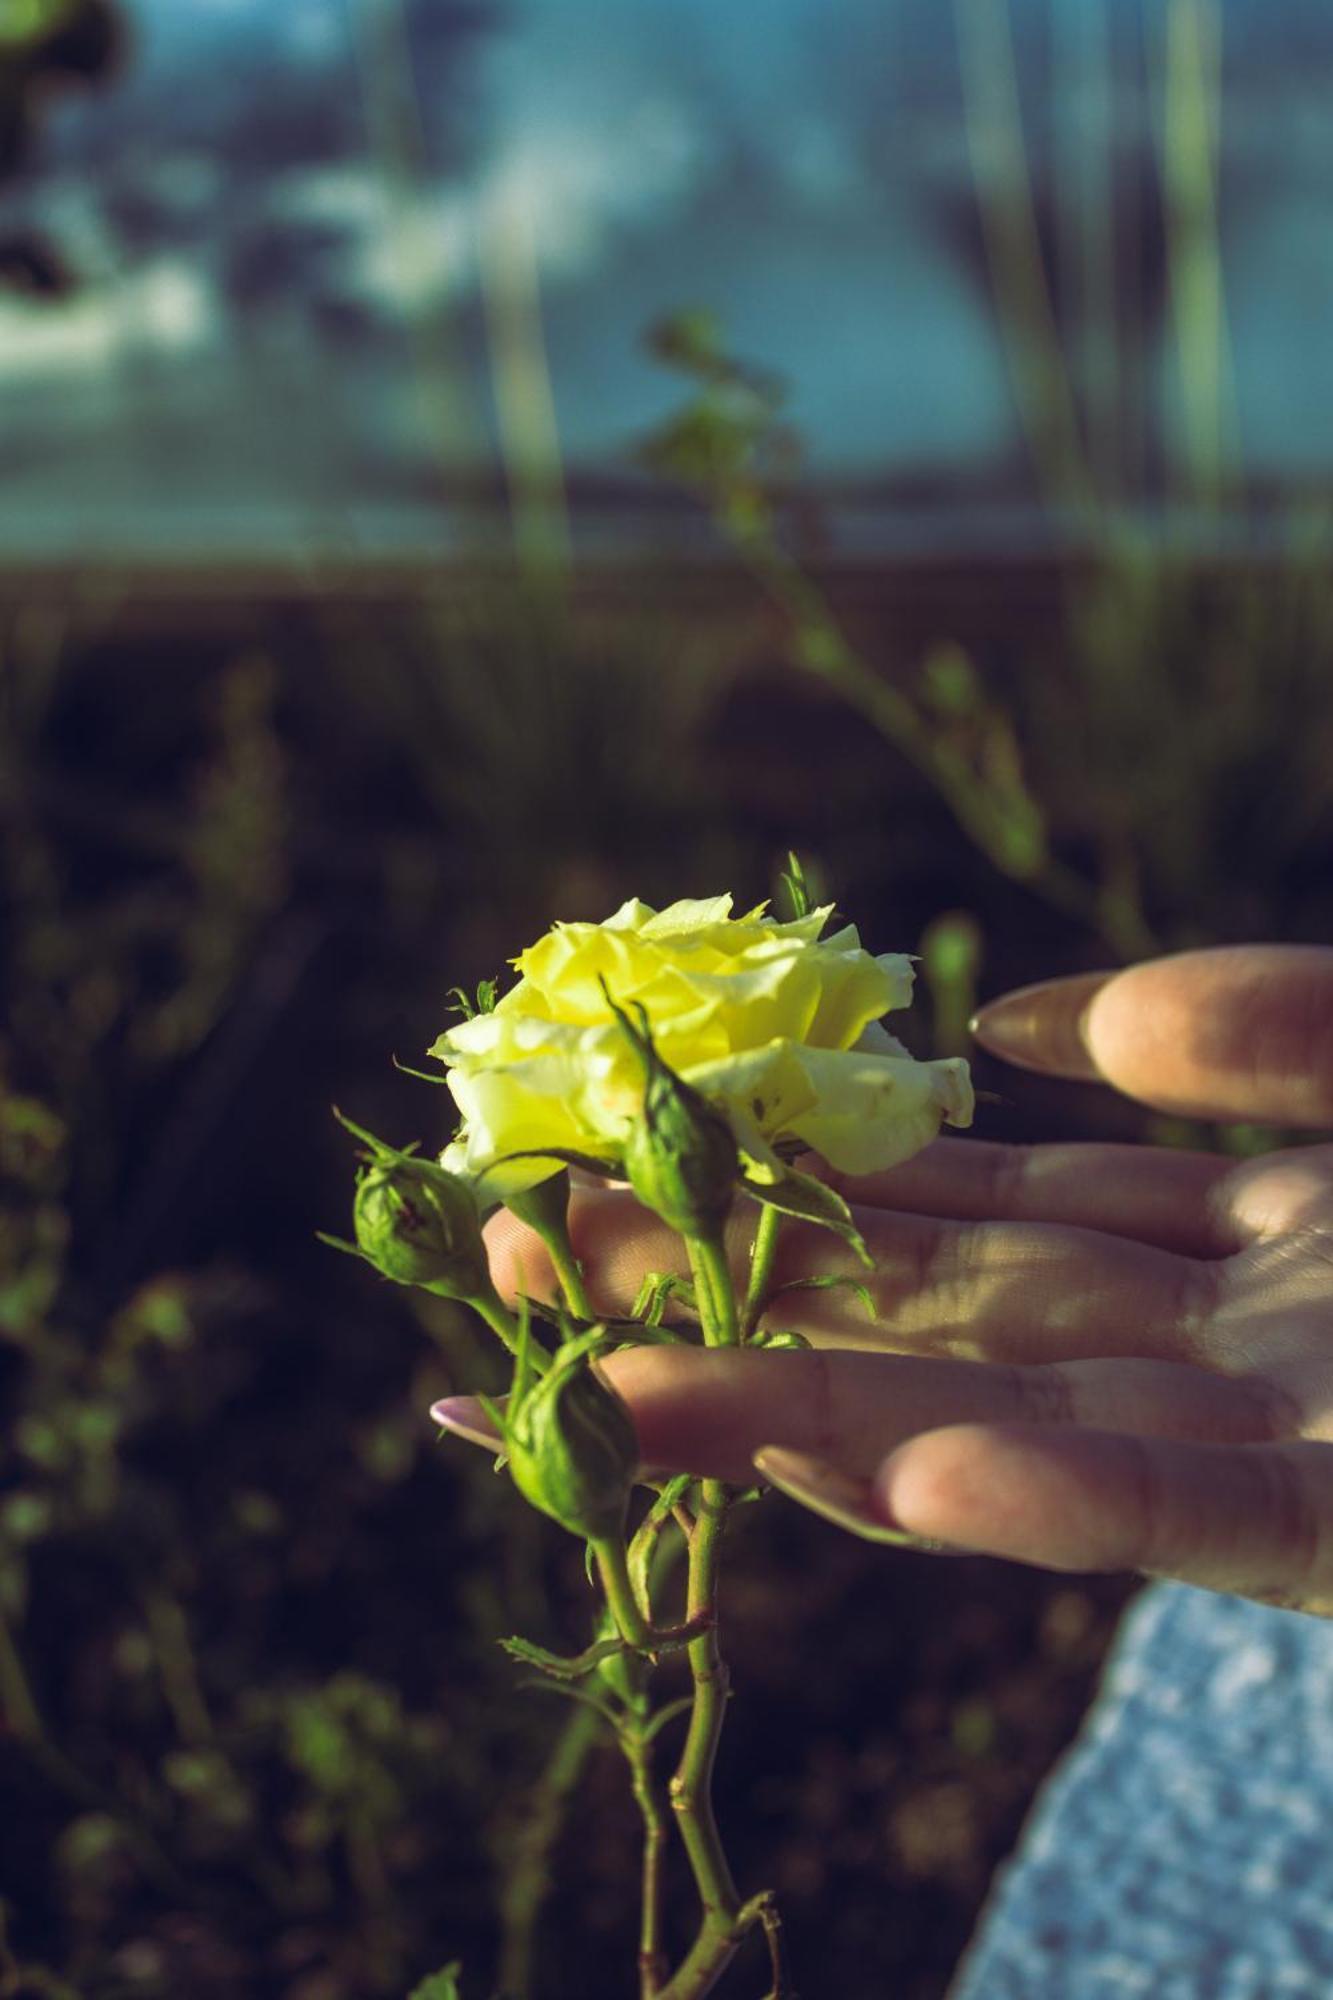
x,y
692,1785
762,1256
691,1788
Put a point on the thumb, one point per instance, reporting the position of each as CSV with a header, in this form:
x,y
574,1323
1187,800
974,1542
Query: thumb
x,y
1239,1031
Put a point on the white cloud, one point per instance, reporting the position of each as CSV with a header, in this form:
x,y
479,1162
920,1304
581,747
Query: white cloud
x,y
167,306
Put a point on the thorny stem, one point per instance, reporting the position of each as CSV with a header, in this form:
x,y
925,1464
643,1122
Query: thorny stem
x,y
691,1787
762,1256
716,1946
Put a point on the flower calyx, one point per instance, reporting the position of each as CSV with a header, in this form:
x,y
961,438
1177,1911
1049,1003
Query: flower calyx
x,y
416,1223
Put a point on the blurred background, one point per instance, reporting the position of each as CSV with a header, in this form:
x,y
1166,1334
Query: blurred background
x,y
464,462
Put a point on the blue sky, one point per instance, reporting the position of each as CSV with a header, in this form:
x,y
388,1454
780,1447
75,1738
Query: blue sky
x,y
239,364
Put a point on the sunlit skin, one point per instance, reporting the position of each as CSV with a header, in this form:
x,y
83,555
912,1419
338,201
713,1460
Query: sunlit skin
x,y
1104,1357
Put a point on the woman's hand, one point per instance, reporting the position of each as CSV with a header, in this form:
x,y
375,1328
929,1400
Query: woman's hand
x,y
1088,1357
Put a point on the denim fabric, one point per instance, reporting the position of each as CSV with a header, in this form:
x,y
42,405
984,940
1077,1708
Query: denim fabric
x,y
1184,1848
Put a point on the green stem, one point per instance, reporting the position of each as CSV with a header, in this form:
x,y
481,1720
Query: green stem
x,y
716,1946
713,1291
501,1321
652,1957
570,1273
762,1256
618,1589
691,1786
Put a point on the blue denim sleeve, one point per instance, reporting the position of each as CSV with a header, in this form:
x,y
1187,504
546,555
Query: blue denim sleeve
x,y
1184,1848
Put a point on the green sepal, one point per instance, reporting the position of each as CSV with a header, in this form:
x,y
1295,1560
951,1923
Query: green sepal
x,y
831,1281
421,1075
780,1340
809,1200
341,1243
469,1008
380,1149
560,1666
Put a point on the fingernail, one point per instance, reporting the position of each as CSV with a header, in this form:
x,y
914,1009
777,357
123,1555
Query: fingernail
x,y
1042,1027
466,1418
839,1497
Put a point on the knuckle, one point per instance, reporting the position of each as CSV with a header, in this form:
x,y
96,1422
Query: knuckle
x,y
1042,1394
1293,1523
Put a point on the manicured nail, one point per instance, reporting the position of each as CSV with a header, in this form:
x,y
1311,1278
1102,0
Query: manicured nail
x,y
1042,1027
839,1497
466,1418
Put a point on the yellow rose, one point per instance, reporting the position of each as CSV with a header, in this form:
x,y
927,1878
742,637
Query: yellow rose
x,y
777,1027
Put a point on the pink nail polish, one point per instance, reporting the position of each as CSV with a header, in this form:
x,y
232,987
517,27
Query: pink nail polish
x,y
465,1417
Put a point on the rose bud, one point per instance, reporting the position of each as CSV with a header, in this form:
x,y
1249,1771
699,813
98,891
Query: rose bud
x,y
419,1225
573,1450
680,1155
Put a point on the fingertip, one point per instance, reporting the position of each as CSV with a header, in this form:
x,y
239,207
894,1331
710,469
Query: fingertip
x,y
1030,1494
519,1260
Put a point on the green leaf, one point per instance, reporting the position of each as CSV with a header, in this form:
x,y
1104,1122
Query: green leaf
x,y
645,1535
656,1291
469,1008
831,1281
559,1666
810,1200
441,1985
